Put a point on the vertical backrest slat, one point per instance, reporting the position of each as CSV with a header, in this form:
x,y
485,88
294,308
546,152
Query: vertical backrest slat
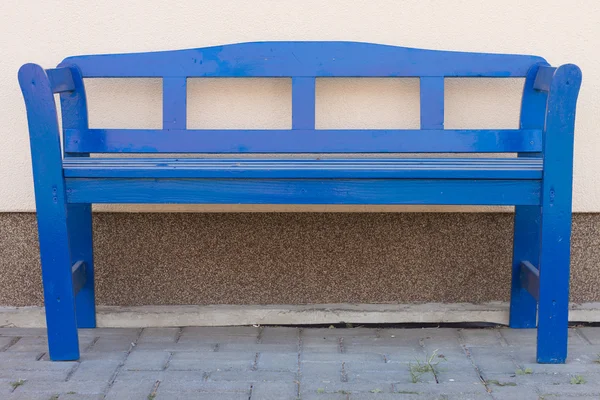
x,y
432,102
174,102
303,103
533,105
74,106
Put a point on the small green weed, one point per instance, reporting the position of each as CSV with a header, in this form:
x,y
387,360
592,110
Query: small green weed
x,y
498,383
526,371
577,380
419,368
18,383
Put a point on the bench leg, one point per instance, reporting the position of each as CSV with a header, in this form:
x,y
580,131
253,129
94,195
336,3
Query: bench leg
x,y
79,218
59,297
526,245
553,321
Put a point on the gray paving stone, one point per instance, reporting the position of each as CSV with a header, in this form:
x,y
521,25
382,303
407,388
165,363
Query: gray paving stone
x,y
323,396
592,334
495,360
343,357
38,375
212,361
513,392
279,335
113,343
277,361
452,374
159,335
6,342
27,396
528,337
252,376
96,370
388,396
79,396
329,372
175,347
32,365
274,391
7,357
396,355
325,389
22,332
119,356
481,337
130,390
258,347
195,381
200,396
108,332
447,390
40,344
212,333
386,377
327,332
78,387
147,360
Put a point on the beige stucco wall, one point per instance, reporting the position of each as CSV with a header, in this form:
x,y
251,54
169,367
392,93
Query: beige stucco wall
x,y
47,31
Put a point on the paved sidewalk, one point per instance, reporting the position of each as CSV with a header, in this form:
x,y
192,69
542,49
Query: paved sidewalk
x,y
289,363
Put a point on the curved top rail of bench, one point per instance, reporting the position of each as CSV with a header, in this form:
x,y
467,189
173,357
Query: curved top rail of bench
x,y
310,59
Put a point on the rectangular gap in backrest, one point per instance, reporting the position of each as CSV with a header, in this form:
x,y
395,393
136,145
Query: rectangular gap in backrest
x,y
239,103
363,103
134,103
482,103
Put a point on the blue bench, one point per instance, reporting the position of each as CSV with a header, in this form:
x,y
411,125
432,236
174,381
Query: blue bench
x,y
538,181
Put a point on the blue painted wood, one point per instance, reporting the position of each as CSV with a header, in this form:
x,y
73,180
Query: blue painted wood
x,y
303,103
432,102
310,59
543,79
304,191
59,299
174,102
302,141
530,279
61,80
523,308
79,276
555,235
79,216
500,168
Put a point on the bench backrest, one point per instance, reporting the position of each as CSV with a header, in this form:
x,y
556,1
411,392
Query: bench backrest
x,y
303,62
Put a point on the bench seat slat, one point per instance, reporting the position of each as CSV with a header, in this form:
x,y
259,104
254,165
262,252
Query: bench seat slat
x,y
303,141
304,191
490,168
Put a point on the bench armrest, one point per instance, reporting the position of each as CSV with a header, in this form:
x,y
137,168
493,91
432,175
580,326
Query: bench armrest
x,y
38,87
42,119
562,85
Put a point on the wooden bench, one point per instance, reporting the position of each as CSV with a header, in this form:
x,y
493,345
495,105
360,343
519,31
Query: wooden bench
x,y
538,181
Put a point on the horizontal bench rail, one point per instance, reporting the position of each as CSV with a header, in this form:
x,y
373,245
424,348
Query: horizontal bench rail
x,y
302,141
449,168
304,191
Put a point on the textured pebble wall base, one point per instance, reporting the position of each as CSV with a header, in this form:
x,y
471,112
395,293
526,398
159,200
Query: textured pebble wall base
x,y
294,258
